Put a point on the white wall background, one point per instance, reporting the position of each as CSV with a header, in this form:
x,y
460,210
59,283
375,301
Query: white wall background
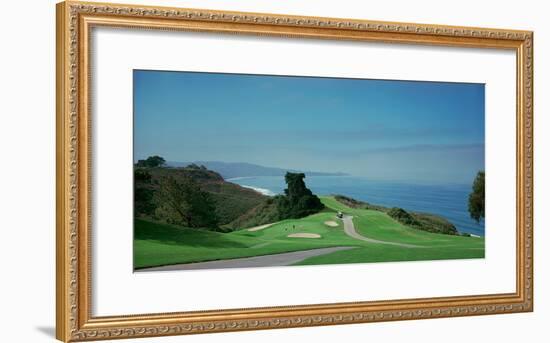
x,y
27,169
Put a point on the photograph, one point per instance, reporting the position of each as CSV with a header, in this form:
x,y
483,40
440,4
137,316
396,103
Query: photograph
x,y
242,170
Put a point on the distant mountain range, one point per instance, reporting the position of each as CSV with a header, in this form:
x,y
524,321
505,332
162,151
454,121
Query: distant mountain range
x,y
241,169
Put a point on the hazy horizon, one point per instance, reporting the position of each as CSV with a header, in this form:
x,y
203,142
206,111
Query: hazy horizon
x,y
384,130
261,165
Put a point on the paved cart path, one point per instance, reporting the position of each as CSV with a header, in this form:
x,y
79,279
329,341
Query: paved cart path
x,y
349,229
283,259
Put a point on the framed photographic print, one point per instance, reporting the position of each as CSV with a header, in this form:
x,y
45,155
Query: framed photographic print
x,y
223,171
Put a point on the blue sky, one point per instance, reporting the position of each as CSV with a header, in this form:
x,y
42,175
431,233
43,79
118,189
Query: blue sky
x,y
392,130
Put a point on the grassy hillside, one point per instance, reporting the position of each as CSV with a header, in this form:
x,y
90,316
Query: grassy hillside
x,y
378,225
158,244
190,195
265,213
418,220
231,200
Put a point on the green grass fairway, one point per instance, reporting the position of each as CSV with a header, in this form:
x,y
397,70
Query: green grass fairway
x,y
158,244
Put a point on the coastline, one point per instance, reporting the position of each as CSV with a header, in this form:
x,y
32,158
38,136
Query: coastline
x,y
238,178
447,201
263,191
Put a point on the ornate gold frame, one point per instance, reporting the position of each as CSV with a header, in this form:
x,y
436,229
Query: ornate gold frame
x,y
75,20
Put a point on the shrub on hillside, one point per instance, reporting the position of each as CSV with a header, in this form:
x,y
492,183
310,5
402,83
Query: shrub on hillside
x,y
422,221
183,202
402,216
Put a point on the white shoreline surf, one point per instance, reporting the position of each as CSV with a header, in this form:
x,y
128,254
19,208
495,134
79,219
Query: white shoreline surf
x,y
263,191
239,178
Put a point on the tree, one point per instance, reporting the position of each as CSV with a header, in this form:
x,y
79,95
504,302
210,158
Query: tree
x,y
296,187
183,202
143,193
476,200
151,162
298,200
143,201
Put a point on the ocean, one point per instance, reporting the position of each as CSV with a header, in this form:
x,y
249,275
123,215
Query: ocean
x,y
447,200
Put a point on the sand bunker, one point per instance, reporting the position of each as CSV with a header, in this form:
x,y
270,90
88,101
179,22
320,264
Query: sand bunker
x,y
331,223
304,235
258,228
